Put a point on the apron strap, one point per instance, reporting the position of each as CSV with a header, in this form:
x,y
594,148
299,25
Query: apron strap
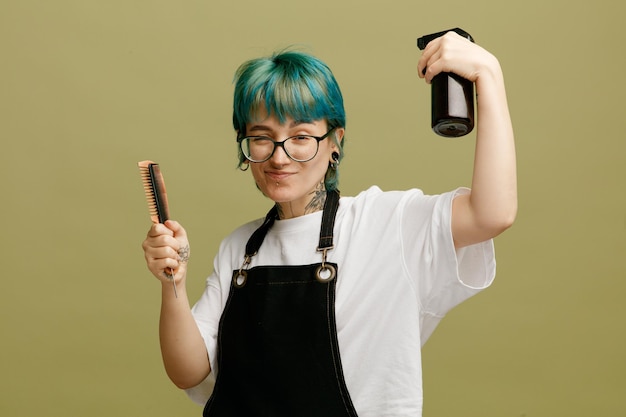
x,y
328,220
326,231
254,243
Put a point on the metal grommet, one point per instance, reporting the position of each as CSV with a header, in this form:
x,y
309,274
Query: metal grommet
x,y
325,273
240,278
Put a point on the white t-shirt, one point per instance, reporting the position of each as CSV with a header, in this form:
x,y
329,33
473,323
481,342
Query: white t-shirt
x,y
398,275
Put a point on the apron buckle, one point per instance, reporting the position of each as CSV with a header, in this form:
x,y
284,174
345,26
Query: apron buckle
x,y
325,272
241,277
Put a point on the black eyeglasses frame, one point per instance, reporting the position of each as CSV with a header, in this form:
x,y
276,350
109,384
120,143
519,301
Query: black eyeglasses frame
x,y
282,145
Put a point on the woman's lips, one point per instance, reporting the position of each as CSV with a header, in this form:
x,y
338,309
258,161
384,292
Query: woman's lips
x,y
278,176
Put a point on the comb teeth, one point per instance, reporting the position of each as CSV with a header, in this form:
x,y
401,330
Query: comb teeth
x,y
147,187
154,188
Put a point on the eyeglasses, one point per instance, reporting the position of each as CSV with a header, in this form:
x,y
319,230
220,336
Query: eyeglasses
x,y
300,148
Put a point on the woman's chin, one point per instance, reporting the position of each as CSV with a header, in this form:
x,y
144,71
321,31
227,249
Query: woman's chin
x,y
277,192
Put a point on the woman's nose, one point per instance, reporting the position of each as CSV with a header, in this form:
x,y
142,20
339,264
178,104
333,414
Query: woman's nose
x,y
279,156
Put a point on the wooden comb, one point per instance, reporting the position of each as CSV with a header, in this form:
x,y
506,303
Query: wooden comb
x,y
154,187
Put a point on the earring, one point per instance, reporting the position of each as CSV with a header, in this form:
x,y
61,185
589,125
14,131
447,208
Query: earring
x,y
244,169
335,163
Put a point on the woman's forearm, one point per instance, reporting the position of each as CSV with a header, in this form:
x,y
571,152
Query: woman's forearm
x,y
184,353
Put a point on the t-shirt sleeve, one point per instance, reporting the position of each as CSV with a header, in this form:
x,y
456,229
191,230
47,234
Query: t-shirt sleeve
x,y
443,276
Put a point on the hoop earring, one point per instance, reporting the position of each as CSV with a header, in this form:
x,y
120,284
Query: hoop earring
x,y
244,169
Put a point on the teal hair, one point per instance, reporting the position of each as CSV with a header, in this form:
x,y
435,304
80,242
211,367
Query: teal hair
x,y
289,84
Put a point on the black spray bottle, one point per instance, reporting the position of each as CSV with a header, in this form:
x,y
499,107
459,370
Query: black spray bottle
x,y
452,102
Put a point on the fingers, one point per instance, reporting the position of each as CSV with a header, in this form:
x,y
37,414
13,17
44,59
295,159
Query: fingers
x,y
166,249
169,234
429,56
176,228
180,235
160,259
448,53
433,60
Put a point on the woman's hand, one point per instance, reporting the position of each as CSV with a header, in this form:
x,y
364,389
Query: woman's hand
x,y
454,53
166,250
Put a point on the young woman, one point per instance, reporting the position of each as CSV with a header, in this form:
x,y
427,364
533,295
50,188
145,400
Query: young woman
x,y
321,308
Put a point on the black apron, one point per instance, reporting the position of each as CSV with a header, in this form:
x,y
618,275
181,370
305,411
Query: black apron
x,y
277,352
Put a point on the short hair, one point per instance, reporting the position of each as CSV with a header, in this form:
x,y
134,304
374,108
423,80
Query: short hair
x,y
289,84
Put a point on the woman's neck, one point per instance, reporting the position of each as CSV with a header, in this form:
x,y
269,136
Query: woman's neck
x,y
289,209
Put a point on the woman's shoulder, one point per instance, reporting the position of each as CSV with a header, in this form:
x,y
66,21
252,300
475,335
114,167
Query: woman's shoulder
x,y
374,195
240,235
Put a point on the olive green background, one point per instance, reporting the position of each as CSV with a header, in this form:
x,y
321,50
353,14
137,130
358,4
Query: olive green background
x,y
88,88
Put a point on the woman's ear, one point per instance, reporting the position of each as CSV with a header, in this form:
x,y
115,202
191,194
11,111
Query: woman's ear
x,y
339,132
338,137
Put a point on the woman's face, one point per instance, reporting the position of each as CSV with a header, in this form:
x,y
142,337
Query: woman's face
x,y
287,182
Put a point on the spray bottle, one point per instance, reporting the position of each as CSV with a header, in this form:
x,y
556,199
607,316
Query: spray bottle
x,y
452,101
